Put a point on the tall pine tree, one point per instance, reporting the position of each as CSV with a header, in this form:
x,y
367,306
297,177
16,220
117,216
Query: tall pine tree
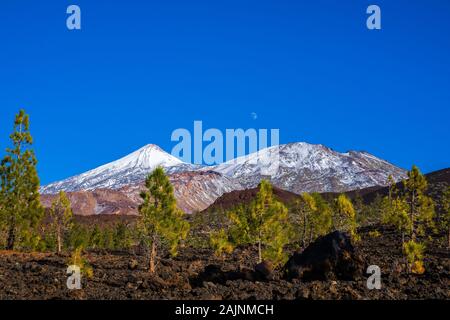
x,y
62,218
445,218
21,208
345,216
161,220
322,217
394,209
2,207
304,207
313,217
421,207
264,222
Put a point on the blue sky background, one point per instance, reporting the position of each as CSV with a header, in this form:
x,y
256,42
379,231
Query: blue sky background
x,y
140,69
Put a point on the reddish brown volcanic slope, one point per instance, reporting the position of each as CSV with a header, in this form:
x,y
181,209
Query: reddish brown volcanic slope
x,y
200,191
86,203
195,191
230,200
437,182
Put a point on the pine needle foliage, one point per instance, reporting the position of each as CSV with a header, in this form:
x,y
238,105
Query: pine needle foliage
x,y
20,207
160,220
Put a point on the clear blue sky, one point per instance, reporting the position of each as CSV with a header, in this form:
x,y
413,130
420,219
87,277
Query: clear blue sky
x,y
140,69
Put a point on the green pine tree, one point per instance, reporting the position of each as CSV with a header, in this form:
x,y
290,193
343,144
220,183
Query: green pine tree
x,y
421,207
160,217
122,236
107,238
392,188
445,218
221,243
79,236
61,218
322,217
304,207
414,252
21,208
395,212
360,208
313,217
374,211
3,212
395,209
96,238
265,223
345,216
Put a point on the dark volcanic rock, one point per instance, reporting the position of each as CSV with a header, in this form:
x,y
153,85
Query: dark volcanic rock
x,y
212,273
215,274
195,273
264,270
328,258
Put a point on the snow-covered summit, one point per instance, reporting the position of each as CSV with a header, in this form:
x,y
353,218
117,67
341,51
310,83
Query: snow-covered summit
x,y
130,169
296,167
303,167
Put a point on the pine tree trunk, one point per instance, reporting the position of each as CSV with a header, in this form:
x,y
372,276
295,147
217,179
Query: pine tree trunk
x,y
153,253
448,238
59,240
11,238
413,236
259,250
304,231
404,257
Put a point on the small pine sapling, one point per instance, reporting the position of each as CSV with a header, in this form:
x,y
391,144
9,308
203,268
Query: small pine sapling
x,y
77,259
220,243
414,252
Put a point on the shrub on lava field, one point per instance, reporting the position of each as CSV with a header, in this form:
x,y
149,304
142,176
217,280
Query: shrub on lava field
x,y
220,243
414,252
374,234
78,260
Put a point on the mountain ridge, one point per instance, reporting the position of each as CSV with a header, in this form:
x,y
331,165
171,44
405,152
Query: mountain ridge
x,y
306,167
295,167
127,170
135,166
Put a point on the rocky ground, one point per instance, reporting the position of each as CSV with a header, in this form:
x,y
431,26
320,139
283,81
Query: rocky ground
x,y
197,274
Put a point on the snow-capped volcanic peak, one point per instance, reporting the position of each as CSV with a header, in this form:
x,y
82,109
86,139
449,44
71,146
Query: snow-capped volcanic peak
x,y
132,168
147,157
303,167
296,167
